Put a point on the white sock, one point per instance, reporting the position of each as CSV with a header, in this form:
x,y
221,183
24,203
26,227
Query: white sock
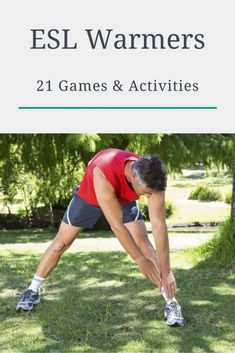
x,y
36,283
165,297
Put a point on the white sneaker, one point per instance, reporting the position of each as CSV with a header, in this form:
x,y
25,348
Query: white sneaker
x,y
173,315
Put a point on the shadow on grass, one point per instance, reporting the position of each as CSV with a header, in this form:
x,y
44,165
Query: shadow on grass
x,y
97,302
181,185
43,235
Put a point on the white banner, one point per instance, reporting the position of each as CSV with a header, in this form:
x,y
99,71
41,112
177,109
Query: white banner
x,y
126,66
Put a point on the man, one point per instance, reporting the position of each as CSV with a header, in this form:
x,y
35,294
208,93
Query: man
x,y
113,181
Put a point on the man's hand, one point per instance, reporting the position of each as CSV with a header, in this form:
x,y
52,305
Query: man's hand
x,y
169,284
150,271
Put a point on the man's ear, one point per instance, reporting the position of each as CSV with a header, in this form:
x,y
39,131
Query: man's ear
x,y
134,175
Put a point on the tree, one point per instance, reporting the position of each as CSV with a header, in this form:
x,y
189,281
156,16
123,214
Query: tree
x,y
57,161
179,151
233,198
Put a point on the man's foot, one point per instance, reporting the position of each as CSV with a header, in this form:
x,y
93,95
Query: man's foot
x,y
28,299
173,315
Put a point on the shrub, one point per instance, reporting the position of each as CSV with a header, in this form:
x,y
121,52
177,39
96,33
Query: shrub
x,y
203,192
170,208
228,197
143,208
220,250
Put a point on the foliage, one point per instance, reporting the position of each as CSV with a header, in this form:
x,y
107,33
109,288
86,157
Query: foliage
x,y
228,197
183,150
56,161
221,249
203,192
143,208
42,169
170,208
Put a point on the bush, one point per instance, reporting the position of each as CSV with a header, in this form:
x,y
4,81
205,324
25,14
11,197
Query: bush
x,y
203,192
228,197
220,250
143,208
170,208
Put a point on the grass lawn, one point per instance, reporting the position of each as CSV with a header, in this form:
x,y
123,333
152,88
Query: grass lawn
x,y
98,302
38,235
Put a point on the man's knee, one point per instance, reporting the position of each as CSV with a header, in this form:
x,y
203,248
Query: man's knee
x,y
64,238
59,246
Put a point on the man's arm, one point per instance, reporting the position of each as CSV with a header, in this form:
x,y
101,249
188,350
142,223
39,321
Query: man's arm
x,y
113,213
156,205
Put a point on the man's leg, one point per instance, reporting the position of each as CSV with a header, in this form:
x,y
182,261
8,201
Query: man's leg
x,y
139,233
62,241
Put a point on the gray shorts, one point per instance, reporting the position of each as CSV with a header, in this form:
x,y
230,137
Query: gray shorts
x,y
81,213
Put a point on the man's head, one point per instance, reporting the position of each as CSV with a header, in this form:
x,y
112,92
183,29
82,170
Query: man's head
x,y
149,175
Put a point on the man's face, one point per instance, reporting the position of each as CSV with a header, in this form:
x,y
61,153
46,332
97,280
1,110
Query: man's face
x,y
140,188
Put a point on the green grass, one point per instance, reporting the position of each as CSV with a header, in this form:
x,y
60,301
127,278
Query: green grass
x,y
37,235
195,176
98,302
221,249
24,236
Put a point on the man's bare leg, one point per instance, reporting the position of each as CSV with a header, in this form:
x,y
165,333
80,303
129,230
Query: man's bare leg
x,y
62,241
50,258
172,312
139,233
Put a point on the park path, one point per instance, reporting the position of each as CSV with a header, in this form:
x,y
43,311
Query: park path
x,y
178,241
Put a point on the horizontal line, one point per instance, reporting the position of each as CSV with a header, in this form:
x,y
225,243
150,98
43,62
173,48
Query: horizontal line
x,y
115,107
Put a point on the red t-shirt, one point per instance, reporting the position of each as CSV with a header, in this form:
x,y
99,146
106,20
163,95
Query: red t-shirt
x,y
112,163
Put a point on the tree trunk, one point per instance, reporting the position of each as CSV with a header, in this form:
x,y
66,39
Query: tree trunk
x,y
51,215
233,198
